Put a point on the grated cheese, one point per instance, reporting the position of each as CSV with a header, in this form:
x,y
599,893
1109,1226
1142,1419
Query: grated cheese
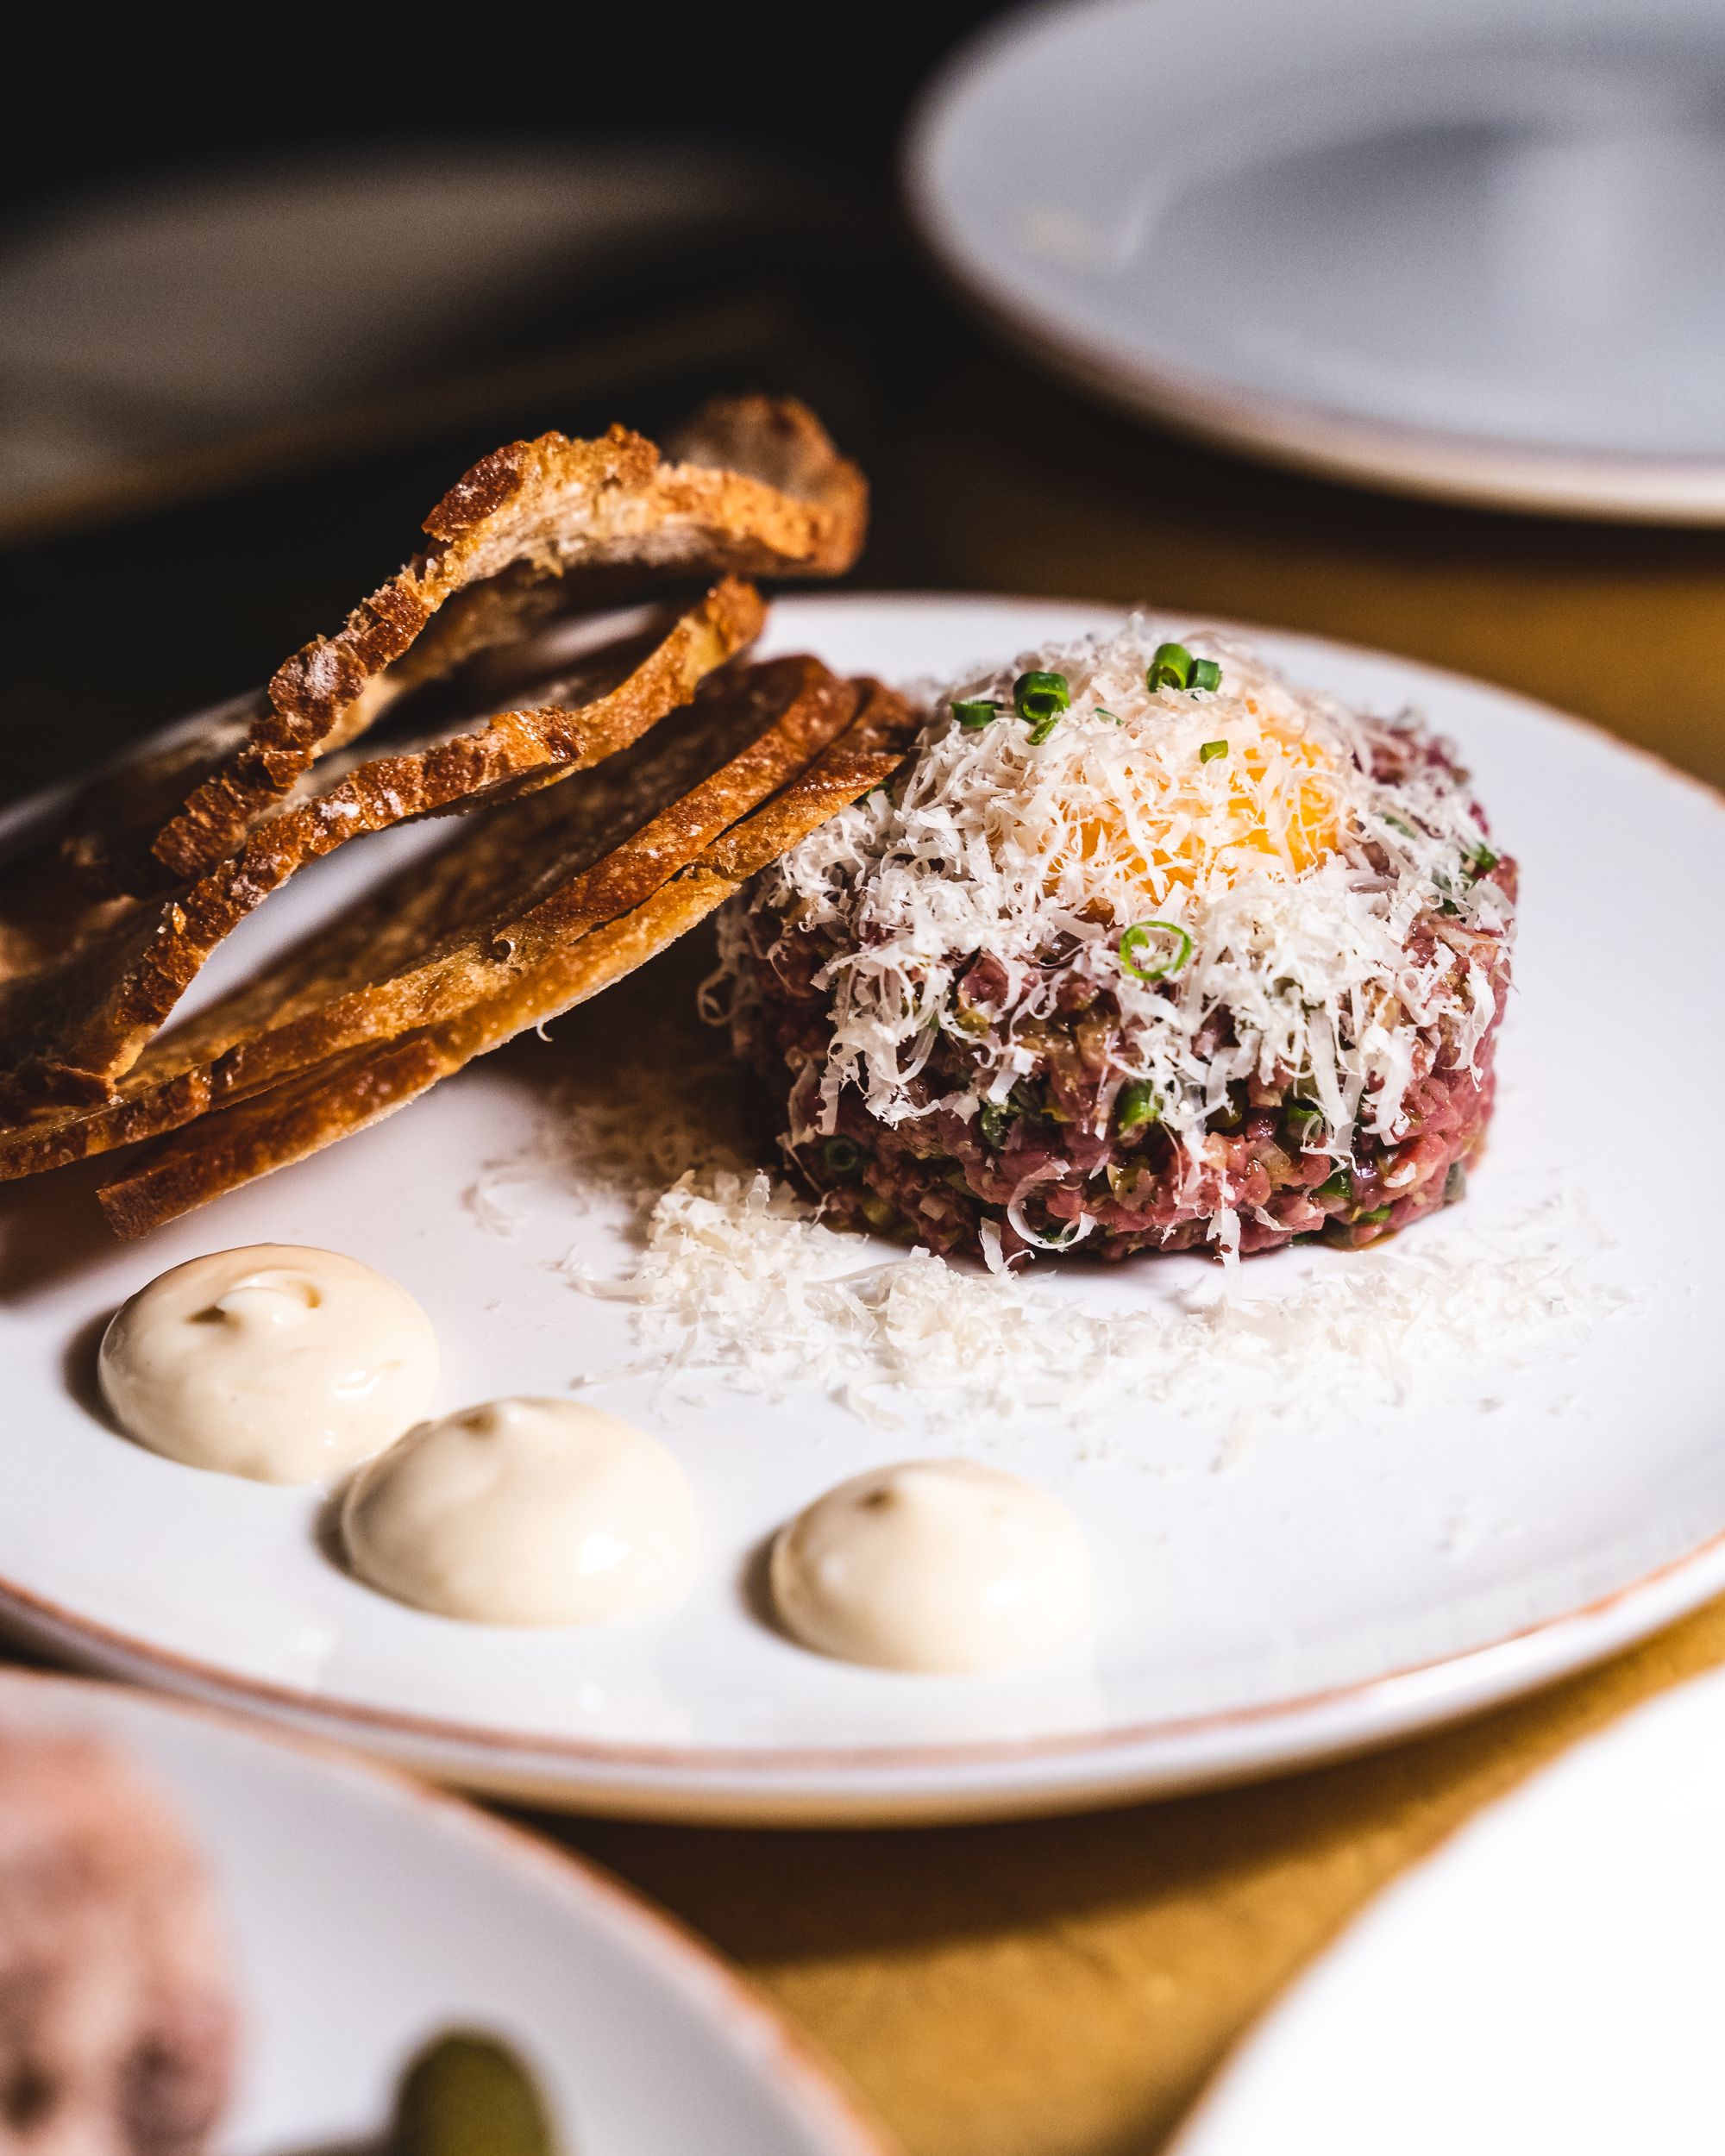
x,y
740,1282
1300,878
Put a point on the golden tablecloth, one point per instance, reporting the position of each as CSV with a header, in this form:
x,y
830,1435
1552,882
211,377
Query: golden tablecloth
x,y
1063,1987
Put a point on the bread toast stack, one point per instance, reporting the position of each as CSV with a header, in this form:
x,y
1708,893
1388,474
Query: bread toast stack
x,y
602,813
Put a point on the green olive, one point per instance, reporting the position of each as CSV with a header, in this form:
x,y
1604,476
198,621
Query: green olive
x,y
467,2095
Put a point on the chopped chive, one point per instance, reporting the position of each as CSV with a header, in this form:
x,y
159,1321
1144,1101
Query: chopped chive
x,y
1135,1105
969,1019
996,1120
1040,699
1370,1219
975,711
1206,674
1171,669
1455,1184
1136,938
1336,1186
1304,1121
1055,1238
1482,861
843,1157
1396,823
1232,1113
1102,711
1211,750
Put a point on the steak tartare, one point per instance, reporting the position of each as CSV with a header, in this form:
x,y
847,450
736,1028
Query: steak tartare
x,y
1143,949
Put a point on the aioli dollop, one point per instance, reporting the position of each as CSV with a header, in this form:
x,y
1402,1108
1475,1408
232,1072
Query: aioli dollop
x,y
278,1362
937,1566
524,1512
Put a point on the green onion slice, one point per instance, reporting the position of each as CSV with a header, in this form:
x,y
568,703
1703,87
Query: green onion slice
x,y
1304,1123
1135,1105
842,1156
1040,698
1370,1219
1171,669
1137,938
977,711
1206,674
1052,1239
1482,861
1211,750
1102,711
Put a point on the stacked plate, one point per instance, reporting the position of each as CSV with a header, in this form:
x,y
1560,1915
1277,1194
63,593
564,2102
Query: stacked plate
x,y
1468,248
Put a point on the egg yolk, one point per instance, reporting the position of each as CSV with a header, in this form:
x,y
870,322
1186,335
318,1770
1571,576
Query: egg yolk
x,y
1269,802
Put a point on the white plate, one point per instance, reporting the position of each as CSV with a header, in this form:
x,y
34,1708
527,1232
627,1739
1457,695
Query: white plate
x,y
1550,1979
1467,249
1356,1574
368,1915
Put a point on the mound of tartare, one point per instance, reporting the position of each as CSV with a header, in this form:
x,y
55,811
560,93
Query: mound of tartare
x,y
1144,949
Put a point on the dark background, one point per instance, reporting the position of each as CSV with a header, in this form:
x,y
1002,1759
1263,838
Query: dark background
x,y
105,91
174,584
191,577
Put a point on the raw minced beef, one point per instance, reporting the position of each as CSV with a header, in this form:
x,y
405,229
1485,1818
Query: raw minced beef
x,y
1211,968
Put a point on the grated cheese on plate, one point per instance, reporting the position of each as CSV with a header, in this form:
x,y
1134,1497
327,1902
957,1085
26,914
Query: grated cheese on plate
x,y
742,1281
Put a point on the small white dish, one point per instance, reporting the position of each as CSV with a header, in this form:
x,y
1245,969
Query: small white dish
x,y
1265,1596
1551,1978
1468,248
368,1915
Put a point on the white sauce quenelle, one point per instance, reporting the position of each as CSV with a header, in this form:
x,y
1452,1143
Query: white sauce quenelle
x,y
524,1512
937,1566
277,1362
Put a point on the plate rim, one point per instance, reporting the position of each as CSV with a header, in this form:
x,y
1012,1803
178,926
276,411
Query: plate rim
x,y
1301,434
880,1785
1191,2134
758,2030
739,1786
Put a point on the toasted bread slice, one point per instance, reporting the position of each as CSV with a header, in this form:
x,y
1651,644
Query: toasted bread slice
x,y
290,1121
49,906
505,539
69,1033
492,905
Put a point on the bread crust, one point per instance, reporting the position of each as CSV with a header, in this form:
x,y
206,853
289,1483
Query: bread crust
x,y
493,904
318,1107
504,538
69,1032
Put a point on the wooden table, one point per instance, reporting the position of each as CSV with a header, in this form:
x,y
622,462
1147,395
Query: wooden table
x,y
1061,1988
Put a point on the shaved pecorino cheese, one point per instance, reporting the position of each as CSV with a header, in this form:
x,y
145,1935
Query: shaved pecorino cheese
x,y
1311,889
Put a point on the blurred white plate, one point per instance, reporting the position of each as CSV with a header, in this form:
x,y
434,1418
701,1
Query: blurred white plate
x,y
1359,1569
1552,1978
368,1915
160,319
1467,249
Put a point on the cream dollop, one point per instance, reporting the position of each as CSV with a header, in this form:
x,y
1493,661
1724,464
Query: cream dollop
x,y
934,1565
281,1364
524,1512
